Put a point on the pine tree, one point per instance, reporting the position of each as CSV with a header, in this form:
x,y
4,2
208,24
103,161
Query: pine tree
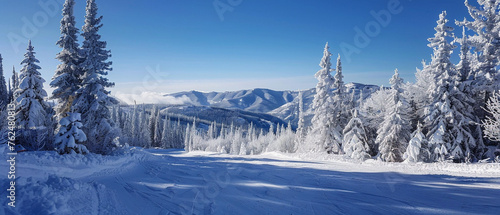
x,y
152,125
355,142
301,130
417,150
31,107
11,92
323,134
394,132
158,129
448,117
70,137
4,94
486,24
134,127
165,134
14,84
66,79
92,99
339,98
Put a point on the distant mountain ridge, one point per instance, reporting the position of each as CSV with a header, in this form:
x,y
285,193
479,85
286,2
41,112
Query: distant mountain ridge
x,y
255,100
282,104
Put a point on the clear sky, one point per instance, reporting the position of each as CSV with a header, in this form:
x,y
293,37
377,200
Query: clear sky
x,y
165,46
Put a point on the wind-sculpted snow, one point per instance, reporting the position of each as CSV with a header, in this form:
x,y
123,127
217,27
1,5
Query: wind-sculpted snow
x,y
174,182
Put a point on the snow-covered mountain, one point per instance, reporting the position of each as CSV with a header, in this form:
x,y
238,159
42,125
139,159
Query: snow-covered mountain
x,y
282,104
255,100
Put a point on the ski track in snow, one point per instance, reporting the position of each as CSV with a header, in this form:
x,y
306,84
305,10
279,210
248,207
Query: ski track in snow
x,y
174,182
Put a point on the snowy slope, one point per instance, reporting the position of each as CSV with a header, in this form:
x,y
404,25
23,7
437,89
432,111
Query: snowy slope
x,y
173,182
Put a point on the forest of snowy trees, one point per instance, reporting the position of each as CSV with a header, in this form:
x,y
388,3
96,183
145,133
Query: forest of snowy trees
x,y
451,112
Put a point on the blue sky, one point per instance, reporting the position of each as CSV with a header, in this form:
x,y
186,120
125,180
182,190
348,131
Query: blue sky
x,y
165,46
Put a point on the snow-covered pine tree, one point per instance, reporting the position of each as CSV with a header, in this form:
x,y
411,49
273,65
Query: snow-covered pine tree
x,y
13,84
10,96
158,129
66,79
134,127
15,79
70,137
486,25
301,129
187,139
394,132
417,150
323,134
31,106
92,99
165,134
152,125
4,93
340,102
355,142
467,96
144,133
448,117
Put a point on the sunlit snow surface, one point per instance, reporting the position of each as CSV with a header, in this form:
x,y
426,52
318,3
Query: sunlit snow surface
x,y
174,182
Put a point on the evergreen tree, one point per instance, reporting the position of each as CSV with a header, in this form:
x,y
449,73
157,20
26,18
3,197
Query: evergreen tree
x,y
448,119
165,134
4,94
394,132
31,107
134,127
301,130
417,150
66,79
152,125
14,83
339,98
355,142
70,137
323,134
158,129
92,99
486,25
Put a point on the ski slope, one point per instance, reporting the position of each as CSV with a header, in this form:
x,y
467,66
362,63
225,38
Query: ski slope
x,y
175,182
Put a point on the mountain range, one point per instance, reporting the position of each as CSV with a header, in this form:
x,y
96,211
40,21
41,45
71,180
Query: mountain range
x,y
281,104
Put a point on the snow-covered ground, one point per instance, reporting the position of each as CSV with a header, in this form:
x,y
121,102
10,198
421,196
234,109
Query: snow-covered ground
x,y
175,182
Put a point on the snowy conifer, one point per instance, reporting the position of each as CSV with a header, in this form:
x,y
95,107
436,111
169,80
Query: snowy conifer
x,y
66,79
31,106
4,93
448,117
14,84
152,125
355,142
417,150
92,99
158,129
301,130
323,134
339,98
486,25
70,137
394,132
165,134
